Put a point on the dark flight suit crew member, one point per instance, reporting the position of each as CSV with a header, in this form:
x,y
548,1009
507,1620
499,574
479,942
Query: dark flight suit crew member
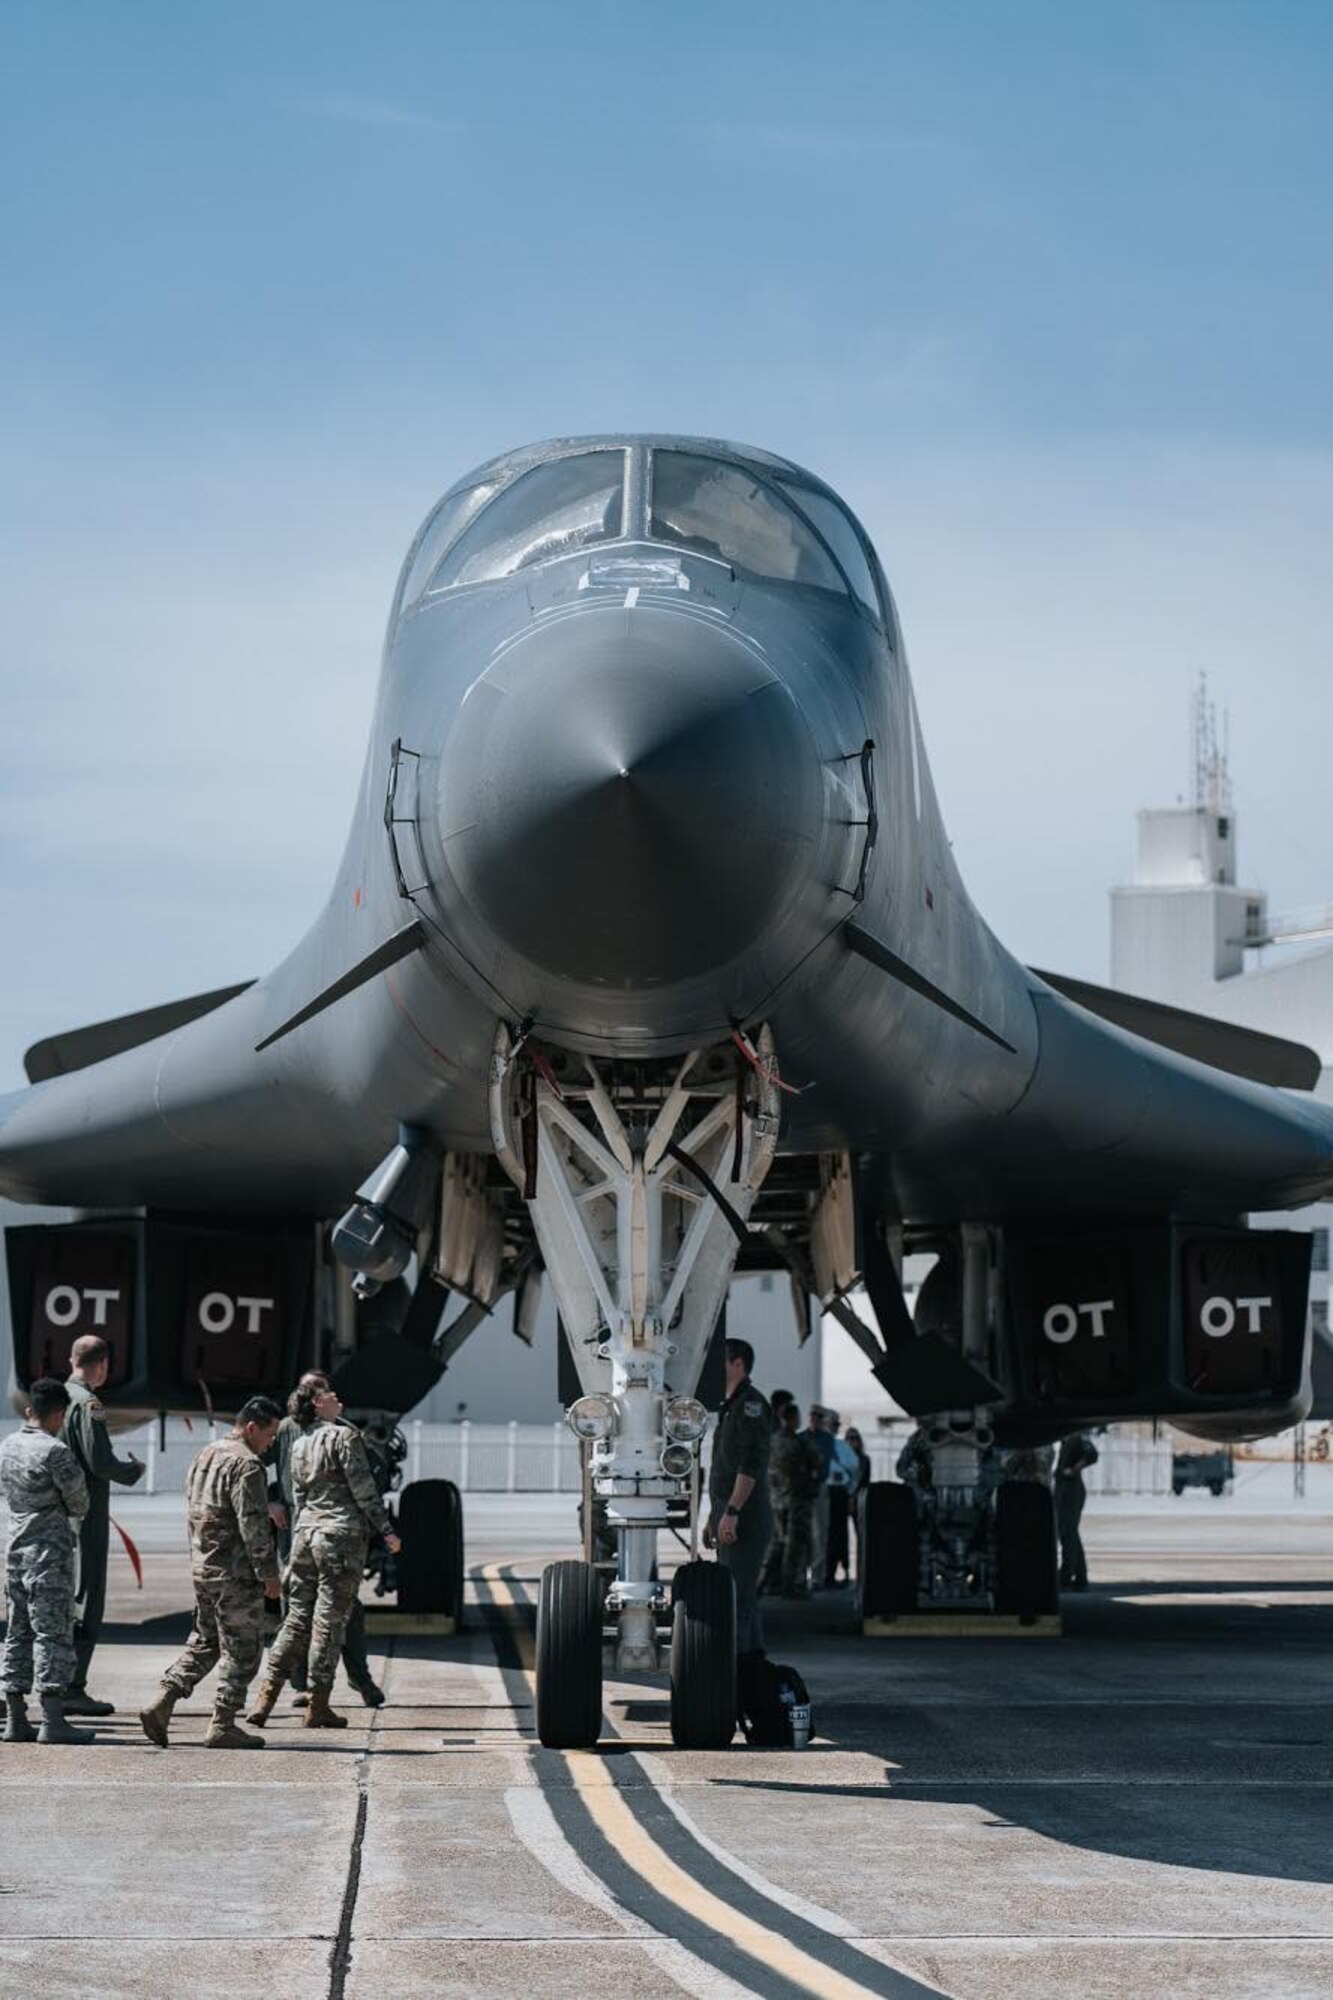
x,y
85,1433
740,1516
1077,1453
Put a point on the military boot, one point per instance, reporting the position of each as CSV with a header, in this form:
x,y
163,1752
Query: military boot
x,y
263,1704
18,1729
78,1701
154,1720
319,1715
370,1691
54,1727
225,1733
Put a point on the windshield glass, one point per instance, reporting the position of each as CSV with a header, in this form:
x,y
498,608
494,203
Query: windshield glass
x,y
723,511
837,530
549,511
441,531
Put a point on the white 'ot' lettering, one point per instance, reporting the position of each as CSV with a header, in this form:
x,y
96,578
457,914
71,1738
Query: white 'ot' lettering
x,y
1060,1323
64,1304
217,1313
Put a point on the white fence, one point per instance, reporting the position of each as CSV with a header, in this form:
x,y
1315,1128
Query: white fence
x,y
543,1458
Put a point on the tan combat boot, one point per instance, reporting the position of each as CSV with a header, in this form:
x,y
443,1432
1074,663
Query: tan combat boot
x,y
154,1720
319,1715
264,1701
225,1733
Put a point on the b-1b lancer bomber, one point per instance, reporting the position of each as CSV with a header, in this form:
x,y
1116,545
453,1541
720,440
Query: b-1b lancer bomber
x,y
648,960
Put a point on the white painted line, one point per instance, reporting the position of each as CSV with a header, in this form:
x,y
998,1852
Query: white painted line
x,y
631,597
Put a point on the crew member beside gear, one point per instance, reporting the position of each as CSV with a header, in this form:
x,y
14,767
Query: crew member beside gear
x,y
740,1521
86,1434
235,1568
283,1509
338,1507
47,1497
795,1474
1077,1453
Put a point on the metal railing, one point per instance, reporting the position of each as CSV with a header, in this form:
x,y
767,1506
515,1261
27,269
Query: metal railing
x,y
544,1458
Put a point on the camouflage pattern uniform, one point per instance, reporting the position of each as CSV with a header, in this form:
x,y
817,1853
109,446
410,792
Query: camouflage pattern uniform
x,y
47,1497
355,1647
794,1473
232,1558
338,1508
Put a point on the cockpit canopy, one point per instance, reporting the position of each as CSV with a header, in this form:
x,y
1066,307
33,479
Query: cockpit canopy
x,y
763,518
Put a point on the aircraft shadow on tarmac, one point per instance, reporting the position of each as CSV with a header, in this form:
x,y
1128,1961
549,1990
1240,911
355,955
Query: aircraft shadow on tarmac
x,y
1218,1757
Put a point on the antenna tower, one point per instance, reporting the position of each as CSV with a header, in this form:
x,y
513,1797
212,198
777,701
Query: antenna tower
x,y
1212,777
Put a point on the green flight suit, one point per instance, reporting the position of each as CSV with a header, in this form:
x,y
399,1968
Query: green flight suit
x,y
741,1444
85,1432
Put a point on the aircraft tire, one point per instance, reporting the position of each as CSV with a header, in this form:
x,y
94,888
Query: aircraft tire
x,y
570,1612
1026,1560
430,1568
890,1550
703,1657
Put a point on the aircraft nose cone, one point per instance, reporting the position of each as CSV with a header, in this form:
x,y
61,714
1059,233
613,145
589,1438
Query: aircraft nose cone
x,y
628,797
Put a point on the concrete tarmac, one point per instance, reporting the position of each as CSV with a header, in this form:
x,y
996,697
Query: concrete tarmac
x,y
1142,1807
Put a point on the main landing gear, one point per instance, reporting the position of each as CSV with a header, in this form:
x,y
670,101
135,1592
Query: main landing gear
x,y
640,1183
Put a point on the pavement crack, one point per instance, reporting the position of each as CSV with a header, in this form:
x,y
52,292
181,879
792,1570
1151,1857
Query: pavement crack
x,y
340,1957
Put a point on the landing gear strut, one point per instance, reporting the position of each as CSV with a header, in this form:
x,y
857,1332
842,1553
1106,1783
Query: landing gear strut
x,y
640,1184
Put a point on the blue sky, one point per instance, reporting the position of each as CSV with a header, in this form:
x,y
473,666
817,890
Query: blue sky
x,y
1046,291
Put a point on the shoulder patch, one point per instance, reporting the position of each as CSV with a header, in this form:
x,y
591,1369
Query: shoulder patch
x,y
752,1407
98,1409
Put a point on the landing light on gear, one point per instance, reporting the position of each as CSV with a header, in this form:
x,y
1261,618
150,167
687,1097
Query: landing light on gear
x,y
686,1419
591,1417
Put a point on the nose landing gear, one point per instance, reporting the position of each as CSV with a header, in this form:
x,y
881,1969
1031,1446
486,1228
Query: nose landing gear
x,y
640,1185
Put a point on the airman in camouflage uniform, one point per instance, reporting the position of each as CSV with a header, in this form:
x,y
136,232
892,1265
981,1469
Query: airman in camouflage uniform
x,y
338,1507
355,1651
794,1475
235,1567
47,1497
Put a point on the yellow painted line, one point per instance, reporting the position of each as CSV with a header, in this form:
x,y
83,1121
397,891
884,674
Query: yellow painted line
x,y
627,1838
597,1787
961,1625
503,1597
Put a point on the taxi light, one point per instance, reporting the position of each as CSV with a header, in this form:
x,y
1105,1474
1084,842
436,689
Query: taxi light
x,y
686,1419
677,1461
591,1417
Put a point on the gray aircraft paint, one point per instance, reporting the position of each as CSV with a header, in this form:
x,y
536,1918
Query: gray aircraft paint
x,y
738,709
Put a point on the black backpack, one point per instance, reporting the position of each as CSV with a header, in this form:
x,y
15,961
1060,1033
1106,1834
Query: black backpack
x,y
770,1693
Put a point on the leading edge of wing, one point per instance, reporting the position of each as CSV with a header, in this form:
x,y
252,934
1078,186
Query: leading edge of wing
x,y
79,1048
1244,1052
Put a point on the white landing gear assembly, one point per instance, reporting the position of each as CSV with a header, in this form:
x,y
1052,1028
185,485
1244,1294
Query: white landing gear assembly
x,y
640,1183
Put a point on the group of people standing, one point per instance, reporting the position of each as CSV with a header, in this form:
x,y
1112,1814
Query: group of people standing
x,y
307,1535
815,1477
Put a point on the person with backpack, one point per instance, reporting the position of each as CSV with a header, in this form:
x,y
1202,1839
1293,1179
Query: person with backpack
x,y
1077,1453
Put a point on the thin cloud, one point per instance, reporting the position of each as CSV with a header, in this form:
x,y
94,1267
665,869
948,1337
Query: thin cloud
x,y
817,142
351,108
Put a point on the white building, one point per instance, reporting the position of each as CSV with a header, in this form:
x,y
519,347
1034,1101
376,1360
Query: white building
x,y
1187,933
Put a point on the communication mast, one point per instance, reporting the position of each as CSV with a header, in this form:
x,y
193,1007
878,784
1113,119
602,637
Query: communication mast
x,y
1212,777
